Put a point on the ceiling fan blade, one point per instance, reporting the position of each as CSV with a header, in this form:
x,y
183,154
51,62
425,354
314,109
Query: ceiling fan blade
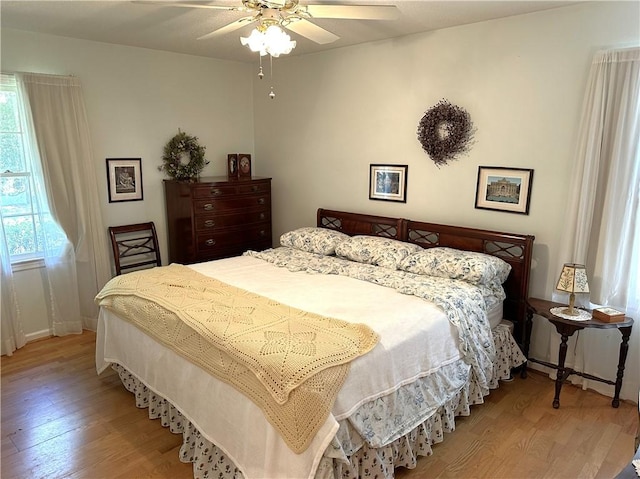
x,y
193,5
355,12
311,31
228,28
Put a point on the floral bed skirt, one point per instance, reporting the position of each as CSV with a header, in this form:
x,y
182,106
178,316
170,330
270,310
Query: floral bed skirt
x,y
350,457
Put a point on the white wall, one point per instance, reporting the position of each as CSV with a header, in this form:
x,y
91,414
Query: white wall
x,y
522,79
136,100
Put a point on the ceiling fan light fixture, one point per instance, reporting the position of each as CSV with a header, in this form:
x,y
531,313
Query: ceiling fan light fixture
x,y
278,42
255,42
272,40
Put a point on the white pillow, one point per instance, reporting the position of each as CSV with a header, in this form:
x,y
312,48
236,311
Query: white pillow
x,y
470,266
313,240
385,252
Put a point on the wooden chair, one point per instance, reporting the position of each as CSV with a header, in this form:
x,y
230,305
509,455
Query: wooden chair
x,y
135,247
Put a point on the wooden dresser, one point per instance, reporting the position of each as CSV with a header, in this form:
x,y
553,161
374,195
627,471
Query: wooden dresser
x,y
216,217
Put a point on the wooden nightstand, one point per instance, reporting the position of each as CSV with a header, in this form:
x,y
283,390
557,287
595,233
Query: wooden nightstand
x,y
566,328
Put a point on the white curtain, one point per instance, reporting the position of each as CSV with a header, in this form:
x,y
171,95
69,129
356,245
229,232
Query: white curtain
x,y
12,334
602,228
66,173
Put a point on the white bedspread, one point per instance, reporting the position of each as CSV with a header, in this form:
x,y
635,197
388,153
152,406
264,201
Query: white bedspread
x,y
233,422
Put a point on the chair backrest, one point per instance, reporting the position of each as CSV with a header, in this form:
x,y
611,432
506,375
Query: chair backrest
x,y
135,247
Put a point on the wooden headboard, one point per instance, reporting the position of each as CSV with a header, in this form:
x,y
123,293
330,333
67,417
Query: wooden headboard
x,y
357,224
515,249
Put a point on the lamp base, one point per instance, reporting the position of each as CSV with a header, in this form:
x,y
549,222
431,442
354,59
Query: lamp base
x,y
570,310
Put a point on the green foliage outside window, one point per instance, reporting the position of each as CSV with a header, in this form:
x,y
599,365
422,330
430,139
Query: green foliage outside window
x,y
25,226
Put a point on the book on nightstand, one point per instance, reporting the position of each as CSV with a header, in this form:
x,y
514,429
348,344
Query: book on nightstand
x,y
608,315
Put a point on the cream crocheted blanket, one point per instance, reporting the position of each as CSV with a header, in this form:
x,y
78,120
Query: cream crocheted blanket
x,y
291,363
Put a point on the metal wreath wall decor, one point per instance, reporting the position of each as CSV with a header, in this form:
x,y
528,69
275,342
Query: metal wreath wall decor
x,y
445,131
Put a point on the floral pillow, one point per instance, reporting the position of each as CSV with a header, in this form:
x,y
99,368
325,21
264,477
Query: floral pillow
x,y
472,267
385,252
313,240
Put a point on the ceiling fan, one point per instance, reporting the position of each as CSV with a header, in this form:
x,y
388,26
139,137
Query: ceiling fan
x,y
289,14
273,16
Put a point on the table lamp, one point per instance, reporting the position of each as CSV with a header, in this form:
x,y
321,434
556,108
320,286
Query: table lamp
x,y
573,279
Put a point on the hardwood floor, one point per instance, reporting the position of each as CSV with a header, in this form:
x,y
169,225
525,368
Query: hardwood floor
x,y
61,420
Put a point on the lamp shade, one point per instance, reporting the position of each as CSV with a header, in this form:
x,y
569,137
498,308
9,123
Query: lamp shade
x,y
573,279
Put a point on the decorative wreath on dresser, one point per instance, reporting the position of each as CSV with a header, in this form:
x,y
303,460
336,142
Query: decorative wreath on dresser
x,y
445,131
183,157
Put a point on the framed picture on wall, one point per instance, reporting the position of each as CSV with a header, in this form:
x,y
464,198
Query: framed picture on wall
x,y
504,189
388,182
124,179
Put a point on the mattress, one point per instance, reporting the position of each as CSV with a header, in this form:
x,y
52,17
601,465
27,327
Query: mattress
x,y
396,317
235,424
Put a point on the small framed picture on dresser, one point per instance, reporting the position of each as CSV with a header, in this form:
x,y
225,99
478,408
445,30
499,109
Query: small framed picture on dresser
x,y
244,165
232,166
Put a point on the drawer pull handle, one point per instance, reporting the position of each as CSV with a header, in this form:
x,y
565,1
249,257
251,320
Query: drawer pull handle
x,y
210,242
262,233
261,201
254,188
261,216
208,207
216,191
209,223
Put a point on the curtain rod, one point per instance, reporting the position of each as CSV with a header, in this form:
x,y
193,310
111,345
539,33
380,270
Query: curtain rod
x,y
12,72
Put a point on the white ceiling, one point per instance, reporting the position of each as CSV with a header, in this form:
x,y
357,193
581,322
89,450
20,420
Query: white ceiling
x,y
176,29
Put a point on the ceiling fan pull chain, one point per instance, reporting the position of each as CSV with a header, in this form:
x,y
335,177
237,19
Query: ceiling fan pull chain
x,y
272,94
260,72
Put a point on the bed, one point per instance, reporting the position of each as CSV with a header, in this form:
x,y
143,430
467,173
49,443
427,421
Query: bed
x,y
425,355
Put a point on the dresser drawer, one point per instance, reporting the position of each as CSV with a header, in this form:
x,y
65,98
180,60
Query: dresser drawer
x,y
221,205
213,191
237,188
233,250
207,222
214,241
253,188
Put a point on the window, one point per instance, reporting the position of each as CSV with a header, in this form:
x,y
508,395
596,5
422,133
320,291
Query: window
x,y
25,217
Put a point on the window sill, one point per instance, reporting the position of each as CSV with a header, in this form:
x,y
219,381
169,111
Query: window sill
x,y
26,265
